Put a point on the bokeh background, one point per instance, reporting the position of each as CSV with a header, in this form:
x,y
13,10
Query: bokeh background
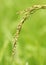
x,y
31,45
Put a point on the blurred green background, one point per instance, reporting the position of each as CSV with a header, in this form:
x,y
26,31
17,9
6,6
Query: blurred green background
x,y
31,45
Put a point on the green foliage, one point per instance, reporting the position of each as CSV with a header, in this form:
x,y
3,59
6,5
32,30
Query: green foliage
x,y
31,45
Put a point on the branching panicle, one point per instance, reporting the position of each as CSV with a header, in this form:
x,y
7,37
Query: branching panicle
x,y
27,13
